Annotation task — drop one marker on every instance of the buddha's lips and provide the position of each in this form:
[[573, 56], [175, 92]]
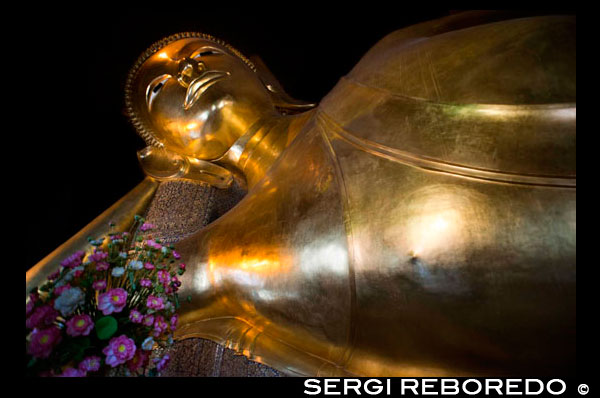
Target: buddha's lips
[[199, 85]]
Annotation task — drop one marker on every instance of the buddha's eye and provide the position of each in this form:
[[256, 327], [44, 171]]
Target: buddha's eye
[[154, 88]]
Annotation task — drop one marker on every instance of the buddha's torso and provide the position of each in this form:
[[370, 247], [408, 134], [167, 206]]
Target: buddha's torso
[[421, 222]]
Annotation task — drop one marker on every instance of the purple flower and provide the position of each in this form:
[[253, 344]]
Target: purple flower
[[72, 372], [148, 320], [41, 316], [90, 364], [149, 266], [80, 325], [159, 325], [112, 301], [173, 321], [98, 255], [28, 307], [73, 260], [147, 226], [176, 255], [43, 341], [163, 276], [102, 266], [119, 350], [154, 302], [146, 282], [99, 285], [135, 316], [162, 363]]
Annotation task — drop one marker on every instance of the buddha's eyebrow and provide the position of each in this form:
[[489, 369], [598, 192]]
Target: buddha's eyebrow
[[207, 50]]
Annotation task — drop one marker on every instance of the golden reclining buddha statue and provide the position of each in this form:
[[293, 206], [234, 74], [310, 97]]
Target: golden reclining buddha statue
[[419, 221]]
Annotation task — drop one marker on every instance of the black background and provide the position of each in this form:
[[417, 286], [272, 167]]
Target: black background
[[72, 64]]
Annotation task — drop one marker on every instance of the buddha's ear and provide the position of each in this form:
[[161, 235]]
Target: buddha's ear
[[283, 102]]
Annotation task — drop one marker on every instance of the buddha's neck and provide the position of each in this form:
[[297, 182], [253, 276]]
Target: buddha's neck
[[256, 151]]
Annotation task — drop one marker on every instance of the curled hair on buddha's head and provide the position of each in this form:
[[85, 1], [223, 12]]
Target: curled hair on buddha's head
[[145, 131]]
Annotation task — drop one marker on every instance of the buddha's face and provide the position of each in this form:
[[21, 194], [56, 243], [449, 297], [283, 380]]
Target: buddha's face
[[197, 97]]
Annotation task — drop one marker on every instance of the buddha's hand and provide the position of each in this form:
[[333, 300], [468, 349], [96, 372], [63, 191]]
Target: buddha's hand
[[162, 164]]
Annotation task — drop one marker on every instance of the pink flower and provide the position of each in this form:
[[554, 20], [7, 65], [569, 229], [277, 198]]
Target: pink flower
[[135, 316], [182, 266], [99, 285], [173, 321], [90, 364], [43, 341], [153, 244], [147, 226], [119, 350], [162, 363], [73, 260], [102, 266], [72, 372], [140, 359], [149, 266], [98, 255], [58, 290], [176, 255], [41, 316], [146, 282], [112, 301], [80, 325], [148, 320], [159, 325], [163, 276], [154, 302]]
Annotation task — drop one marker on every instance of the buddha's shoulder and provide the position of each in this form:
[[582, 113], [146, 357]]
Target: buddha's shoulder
[[468, 90], [476, 58]]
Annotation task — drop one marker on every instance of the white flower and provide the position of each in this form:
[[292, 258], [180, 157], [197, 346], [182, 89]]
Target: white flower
[[69, 300], [136, 265], [123, 255], [164, 250], [148, 344], [118, 271]]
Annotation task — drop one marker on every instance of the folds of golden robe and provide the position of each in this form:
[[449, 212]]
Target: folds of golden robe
[[421, 223]]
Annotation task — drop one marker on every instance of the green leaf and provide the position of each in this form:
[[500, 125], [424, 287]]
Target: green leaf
[[131, 280], [106, 327], [32, 362]]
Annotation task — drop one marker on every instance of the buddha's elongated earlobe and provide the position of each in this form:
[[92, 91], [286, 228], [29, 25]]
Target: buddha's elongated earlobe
[[283, 102]]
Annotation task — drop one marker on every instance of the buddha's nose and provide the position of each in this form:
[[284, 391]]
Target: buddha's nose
[[195, 76], [189, 70]]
